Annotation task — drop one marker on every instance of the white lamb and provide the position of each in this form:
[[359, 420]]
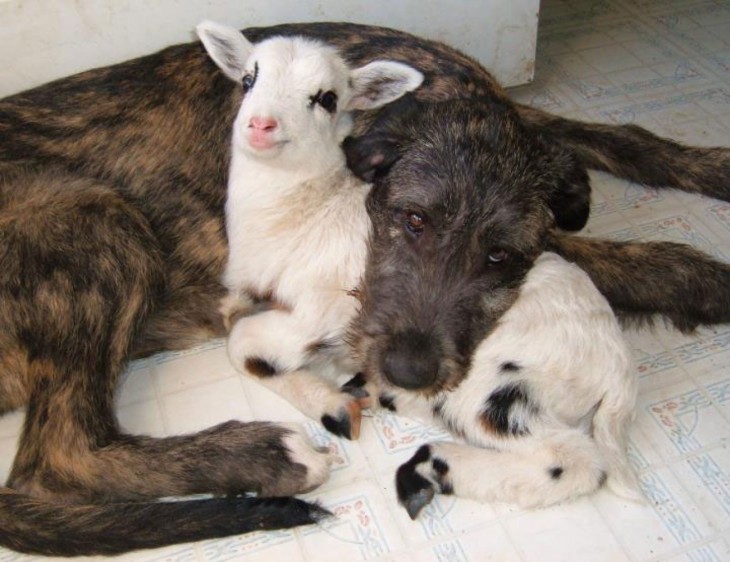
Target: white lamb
[[295, 216]]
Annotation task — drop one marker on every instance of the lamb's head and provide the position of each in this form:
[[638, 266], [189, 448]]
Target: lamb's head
[[298, 93]]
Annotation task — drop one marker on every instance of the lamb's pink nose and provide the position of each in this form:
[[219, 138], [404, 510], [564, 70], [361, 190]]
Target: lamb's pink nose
[[261, 132], [263, 123]]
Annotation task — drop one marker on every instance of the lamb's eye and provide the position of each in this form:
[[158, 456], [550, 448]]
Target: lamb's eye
[[250, 79], [414, 222], [326, 100], [497, 255]]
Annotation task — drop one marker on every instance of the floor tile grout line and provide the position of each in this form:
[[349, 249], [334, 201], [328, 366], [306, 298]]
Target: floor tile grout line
[[617, 536], [159, 397], [691, 375], [650, 21], [719, 535]]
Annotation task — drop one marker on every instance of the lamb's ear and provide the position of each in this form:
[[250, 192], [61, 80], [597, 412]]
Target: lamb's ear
[[381, 82], [226, 46], [371, 155]]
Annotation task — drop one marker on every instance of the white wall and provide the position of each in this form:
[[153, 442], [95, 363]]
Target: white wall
[[41, 40]]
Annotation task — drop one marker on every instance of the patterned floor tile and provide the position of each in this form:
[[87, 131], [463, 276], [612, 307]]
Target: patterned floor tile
[[707, 478], [669, 519], [362, 529], [489, 543], [681, 420]]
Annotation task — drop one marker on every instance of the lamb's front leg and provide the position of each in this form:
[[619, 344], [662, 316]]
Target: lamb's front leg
[[536, 472], [277, 348]]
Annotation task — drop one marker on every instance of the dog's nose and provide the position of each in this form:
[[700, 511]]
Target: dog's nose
[[411, 360]]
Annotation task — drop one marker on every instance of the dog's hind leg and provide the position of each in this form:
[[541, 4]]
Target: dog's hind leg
[[81, 272], [631, 152], [536, 472], [643, 279]]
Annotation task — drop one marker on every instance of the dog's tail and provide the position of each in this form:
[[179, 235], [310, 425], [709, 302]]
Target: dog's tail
[[35, 526], [643, 279], [633, 153]]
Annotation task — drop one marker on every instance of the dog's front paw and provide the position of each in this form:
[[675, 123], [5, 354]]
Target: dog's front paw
[[418, 480], [302, 452]]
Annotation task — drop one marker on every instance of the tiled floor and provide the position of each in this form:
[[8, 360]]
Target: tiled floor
[[661, 64]]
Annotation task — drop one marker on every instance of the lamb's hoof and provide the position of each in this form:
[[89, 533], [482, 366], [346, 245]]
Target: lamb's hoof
[[358, 388], [414, 490], [418, 501], [346, 423], [387, 401]]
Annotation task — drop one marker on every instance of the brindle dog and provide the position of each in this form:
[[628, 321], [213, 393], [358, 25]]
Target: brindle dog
[[466, 196], [111, 235]]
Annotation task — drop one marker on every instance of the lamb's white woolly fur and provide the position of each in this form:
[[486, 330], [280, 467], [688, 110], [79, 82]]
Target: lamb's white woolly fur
[[295, 216], [561, 346]]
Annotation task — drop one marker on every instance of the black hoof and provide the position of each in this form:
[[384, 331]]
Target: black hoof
[[340, 426], [356, 386], [387, 402], [417, 502], [414, 491]]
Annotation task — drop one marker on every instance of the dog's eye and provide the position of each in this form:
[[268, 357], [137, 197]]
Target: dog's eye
[[326, 100], [414, 222], [497, 255]]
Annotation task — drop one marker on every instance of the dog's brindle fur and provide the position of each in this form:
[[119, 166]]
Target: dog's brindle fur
[[112, 243], [485, 190]]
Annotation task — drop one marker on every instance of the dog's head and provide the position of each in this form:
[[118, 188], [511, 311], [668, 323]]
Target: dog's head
[[462, 200]]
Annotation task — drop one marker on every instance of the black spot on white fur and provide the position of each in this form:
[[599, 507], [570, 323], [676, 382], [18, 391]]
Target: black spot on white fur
[[602, 479], [497, 415], [440, 471], [509, 367], [260, 367], [437, 408], [556, 472]]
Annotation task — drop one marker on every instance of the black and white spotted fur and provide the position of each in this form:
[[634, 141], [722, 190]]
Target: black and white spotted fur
[[543, 413]]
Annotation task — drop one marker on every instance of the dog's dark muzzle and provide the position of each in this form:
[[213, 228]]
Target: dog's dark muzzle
[[411, 360]]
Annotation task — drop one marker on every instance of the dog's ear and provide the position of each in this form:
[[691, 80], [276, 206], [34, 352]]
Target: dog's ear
[[571, 200], [568, 187], [372, 155]]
